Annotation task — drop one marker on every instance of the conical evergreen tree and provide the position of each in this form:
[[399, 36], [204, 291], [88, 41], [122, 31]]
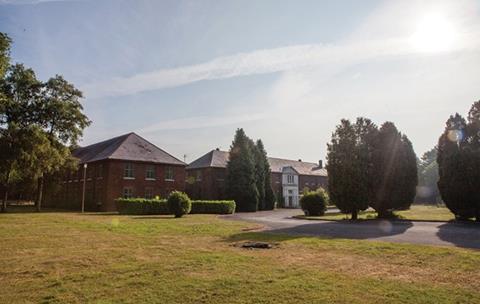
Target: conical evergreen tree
[[393, 162], [241, 182], [458, 164], [348, 165], [264, 186]]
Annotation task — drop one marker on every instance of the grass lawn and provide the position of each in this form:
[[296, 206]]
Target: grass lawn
[[415, 213], [95, 258]]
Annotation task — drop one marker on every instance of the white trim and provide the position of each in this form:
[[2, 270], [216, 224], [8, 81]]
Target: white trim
[[169, 180], [129, 178], [150, 179]]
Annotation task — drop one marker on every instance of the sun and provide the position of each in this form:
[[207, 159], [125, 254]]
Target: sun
[[435, 33]]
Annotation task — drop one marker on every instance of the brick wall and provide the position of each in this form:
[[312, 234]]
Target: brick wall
[[101, 189]]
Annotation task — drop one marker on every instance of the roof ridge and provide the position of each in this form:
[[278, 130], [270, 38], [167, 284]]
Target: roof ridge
[[126, 136], [157, 147]]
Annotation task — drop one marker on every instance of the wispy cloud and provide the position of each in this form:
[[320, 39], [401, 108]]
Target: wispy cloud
[[256, 62], [200, 122], [26, 2]]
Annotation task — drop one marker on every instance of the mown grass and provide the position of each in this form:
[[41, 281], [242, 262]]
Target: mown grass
[[94, 258], [415, 213]]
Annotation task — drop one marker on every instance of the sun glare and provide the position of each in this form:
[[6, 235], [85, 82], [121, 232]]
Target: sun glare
[[434, 33]]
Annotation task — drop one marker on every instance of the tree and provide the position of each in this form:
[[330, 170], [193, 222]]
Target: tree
[[349, 165], [5, 43], [263, 178], [458, 162], [241, 183], [38, 121], [428, 177], [408, 171], [60, 114], [473, 139], [258, 155], [394, 171]]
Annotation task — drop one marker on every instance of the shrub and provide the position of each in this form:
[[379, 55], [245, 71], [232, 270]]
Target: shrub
[[179, 203], [314, 202], [141, 206], [213, 207]]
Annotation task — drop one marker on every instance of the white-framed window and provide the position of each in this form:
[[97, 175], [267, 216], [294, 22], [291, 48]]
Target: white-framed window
[[169, 174], [148, 192], [127, 192], [150, 172], [290, 179], [199, 176], [128, 171]]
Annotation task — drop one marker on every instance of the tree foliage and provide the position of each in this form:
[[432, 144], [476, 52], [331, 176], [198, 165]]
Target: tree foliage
[[349, 154], [428, 177], [394, 171], [241, 174], [38, 122], [372, 167], [459, 162]]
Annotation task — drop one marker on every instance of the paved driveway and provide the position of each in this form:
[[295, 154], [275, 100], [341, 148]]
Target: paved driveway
[[430, 233]]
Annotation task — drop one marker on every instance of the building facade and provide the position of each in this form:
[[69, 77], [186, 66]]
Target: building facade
[[206, 178], [124, 166]]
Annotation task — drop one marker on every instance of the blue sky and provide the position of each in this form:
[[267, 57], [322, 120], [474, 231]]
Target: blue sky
[[186, 74]]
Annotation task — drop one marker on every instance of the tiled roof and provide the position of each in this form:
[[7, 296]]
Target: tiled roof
[[126, 147], [219, 159]]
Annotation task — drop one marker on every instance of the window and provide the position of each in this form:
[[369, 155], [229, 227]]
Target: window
[[150, 172], [169, 173], [128, 171], [199, 176], [127, 192], [290, 179], [99, 170], [148, 192]]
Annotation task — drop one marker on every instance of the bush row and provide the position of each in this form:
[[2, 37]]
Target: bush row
[[160, 206], [213, 207]]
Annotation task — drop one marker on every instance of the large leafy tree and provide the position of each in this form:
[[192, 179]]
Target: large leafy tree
[[241, 179], [348, 166], [38, 121]]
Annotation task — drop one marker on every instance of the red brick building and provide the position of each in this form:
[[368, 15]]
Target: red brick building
[[124, 166], [206, 177]]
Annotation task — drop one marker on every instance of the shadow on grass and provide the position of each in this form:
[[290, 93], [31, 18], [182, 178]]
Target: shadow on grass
[[461, 234], [344, 230], [33, 209]]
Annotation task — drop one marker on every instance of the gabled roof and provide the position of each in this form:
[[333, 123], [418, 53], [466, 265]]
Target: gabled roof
[[219, 159], [125, 147]]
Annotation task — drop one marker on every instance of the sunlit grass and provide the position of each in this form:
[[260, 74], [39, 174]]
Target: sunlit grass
[[74, 258], [415, 213]]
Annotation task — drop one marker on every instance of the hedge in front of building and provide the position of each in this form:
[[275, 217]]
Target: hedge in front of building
[[154, 206], [142, 206], [212, 207]]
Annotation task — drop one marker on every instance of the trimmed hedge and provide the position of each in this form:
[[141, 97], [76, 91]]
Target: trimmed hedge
[[153, 206], [213, 207], [142, 206]]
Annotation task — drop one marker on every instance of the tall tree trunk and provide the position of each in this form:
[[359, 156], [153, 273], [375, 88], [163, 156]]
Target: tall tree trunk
[[40, 194], [4, 202], [355, 214]]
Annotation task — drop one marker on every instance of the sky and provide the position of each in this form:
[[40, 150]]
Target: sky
[[186, 74]]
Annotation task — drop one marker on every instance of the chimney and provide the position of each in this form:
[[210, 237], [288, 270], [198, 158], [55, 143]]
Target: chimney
[[320, 164], [299, 160]]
